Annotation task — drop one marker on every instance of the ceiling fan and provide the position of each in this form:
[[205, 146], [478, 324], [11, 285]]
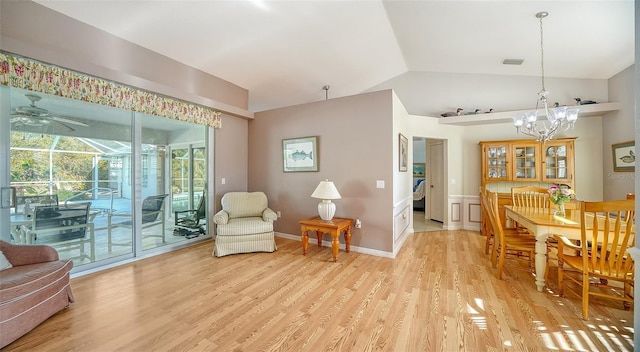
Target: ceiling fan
[[34, 116]]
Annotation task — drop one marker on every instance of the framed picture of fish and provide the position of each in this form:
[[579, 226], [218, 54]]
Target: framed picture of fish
[[300, 154], [403, 150], [624, 156]]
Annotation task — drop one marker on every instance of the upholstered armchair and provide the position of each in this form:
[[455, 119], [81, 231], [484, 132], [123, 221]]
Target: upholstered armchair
[[244, 225]]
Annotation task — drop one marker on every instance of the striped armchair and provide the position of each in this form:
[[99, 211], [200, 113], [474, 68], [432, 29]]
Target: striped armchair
[[244, 225]]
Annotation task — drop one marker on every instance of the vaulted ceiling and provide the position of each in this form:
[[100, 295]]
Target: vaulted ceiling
[[284, 52]]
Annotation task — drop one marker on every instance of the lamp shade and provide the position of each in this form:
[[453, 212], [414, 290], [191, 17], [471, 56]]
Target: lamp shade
[[326, 190]]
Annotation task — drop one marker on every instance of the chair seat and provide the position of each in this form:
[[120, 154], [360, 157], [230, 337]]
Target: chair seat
[[245, 226], [577, 263]]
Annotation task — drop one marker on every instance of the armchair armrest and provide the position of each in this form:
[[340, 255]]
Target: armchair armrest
[[563, 241], [221, 217], [269, 215], [28, 254]]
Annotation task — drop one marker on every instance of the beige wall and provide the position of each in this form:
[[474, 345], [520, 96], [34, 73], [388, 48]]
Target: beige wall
[[619, 127], [354, 151], [231, 157]]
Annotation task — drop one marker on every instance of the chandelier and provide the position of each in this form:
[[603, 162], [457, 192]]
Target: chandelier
[[560, 118]]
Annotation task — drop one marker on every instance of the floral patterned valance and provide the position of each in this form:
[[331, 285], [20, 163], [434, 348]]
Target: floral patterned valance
[[27, 74]]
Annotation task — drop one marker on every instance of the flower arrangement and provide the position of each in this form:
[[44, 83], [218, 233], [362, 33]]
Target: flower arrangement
[[560, 194]]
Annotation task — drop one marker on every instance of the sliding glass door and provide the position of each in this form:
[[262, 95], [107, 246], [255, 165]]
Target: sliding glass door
[[64, 153]]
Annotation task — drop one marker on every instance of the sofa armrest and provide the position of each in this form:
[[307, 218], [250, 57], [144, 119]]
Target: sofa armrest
[[221, 217], [28, 254], [269, 215]]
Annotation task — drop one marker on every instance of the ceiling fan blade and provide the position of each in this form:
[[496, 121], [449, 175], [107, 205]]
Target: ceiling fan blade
[[56, 123], [29, 120], [68, 121]]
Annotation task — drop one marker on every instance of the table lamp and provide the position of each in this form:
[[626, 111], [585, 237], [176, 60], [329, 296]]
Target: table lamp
[[326, 191]]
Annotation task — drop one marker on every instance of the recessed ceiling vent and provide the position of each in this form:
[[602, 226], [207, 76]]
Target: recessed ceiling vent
[[512, 61]]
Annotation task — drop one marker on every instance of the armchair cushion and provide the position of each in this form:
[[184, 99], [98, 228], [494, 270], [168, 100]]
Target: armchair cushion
[[4, 262], [245, 226], [244, 204]]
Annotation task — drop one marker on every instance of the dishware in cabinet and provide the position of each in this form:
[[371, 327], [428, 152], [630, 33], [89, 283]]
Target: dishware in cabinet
[[495, 165], [526, 162], [558, 156]]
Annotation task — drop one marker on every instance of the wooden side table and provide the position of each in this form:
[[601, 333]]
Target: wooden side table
[[335, 227]]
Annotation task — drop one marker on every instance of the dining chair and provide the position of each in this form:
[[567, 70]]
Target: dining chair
[[607, 233], [487, 229], [486, 225], [508, 242], [530, 196]]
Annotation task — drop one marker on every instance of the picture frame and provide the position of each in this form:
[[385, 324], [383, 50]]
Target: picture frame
[[624, 158], [418, 169], [300, 154], [403, 153]]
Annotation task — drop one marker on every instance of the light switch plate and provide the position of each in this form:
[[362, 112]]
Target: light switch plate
[[380, 184]]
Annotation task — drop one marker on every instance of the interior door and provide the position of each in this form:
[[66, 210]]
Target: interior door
[[436, 181]]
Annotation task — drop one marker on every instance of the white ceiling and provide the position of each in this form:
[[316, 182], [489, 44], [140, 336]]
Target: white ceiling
[[284, 52]]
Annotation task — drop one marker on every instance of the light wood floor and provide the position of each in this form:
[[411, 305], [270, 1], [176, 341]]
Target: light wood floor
[[439, 294]]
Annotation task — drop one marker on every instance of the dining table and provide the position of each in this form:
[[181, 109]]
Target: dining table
[[543, 222]]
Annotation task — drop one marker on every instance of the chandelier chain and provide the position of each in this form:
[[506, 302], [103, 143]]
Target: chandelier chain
[[542, 53], [559, 118]]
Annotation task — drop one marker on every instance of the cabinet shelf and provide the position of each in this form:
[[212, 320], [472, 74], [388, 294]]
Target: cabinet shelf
[[507, 116]]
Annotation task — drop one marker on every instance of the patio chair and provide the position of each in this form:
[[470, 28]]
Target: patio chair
[[64, 228], [189, 223], [152, 215], [41, 199]]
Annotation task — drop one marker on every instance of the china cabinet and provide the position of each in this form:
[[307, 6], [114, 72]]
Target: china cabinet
[[527, 160]]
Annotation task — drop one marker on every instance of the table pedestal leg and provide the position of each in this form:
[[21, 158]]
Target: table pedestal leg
[[541, 260], [305, 242], [335, 244]]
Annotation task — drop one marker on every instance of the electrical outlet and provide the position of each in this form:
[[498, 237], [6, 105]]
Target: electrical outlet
[[358, 224], [279, 214]]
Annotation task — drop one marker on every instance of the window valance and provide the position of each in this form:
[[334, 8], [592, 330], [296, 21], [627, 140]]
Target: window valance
[[32, 75]]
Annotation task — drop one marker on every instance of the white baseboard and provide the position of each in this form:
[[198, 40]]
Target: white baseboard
[[362, 250]]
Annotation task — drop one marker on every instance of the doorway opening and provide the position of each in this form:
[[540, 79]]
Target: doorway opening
[[429, 175]]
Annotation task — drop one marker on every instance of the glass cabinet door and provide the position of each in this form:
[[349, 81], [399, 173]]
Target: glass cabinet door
[[525, 162], [496, 158], [557, 163]]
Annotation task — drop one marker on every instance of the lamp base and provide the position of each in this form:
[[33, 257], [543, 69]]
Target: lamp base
[[326, 209]]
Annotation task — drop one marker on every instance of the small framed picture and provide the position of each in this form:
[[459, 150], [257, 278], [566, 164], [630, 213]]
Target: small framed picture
[[624, 156], [300, 154], [418, 169], [403, 150]]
